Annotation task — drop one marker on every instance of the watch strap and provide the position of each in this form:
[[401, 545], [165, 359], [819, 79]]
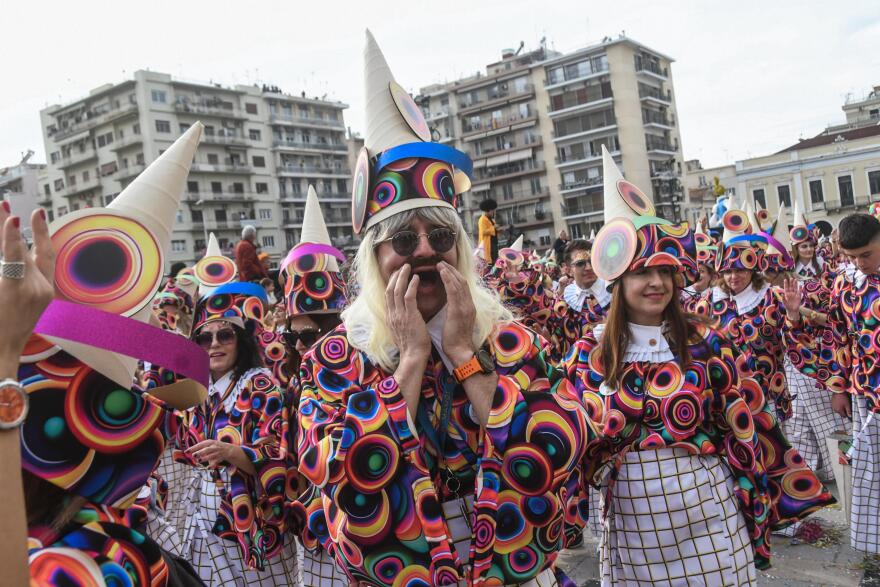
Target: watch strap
[[472, 367]]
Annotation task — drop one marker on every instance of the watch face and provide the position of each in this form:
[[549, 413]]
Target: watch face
[[486, 360], [13, 406]]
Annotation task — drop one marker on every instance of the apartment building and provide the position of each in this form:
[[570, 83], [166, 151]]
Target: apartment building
[[260, 150], [535, 122], [833, 174]]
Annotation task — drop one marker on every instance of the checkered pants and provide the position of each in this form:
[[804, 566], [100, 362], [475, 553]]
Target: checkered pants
[[865, 516], [319, 570], [674, 520], [813, 421], [217, 561], [167, 527]]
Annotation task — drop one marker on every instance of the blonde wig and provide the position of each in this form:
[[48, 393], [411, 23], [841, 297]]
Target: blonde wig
[[365, 319]]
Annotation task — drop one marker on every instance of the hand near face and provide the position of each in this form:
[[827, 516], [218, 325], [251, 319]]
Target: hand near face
[[404, 319], [461, 314], [791, 292]]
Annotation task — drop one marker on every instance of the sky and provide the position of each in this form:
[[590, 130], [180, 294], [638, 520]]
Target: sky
[[750, 77]]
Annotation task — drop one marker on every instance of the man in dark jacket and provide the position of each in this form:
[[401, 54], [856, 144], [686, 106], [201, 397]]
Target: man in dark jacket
[[249, 266]]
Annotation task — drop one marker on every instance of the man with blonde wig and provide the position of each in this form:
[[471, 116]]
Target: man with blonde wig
[[444, 447]]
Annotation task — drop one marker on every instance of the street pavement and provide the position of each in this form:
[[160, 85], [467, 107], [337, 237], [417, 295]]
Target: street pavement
[[795, 564]]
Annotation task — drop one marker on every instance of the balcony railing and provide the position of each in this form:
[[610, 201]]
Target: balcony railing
[[494, 97], [308, 169], [509, 170], [506, 147], [656, 94], [573, 105], [93, 119], [76, 158], [643, 65], [650, 117], [211, 108], [495, 123], [81, 187], [130, 171], [661, 146], [221, 196], [309, 146], [126, 142], [296, 119], [582, 183], [221, 168], [216, 139]]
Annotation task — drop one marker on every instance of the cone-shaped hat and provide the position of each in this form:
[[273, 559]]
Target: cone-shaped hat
[[780, 235], [615, 206], [314, 229], [518, 244]]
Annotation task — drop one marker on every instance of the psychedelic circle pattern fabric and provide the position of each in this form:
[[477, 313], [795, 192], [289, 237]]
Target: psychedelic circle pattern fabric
[[87, 435], [376, 508], [409, 179], [252, 508], [705, 408], [313, 292], [97, 547]]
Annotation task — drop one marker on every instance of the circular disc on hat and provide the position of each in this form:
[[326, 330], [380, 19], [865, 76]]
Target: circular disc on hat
[[410, 111], [359, 189], [106, 260], [614, 249], [702, 240], [215, 270], [799, 233], [635, 198], [735, 220]]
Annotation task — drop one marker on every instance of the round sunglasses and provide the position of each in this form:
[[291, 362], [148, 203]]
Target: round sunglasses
[[308, 337], [206, 339], [406, 242]]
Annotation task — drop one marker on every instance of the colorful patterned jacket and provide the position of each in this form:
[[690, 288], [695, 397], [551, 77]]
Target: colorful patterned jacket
[[250, 413], [761, 332], [378, 478], [848, 360], [706, 408], [97, 547]]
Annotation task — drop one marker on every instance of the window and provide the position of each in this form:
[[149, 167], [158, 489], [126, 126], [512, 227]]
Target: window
[[50, 215], [54, 157], [238, 188], [197, 216], [178, 218], [71, 180], [136, 129], [62, 211], [158, 96], [184, 126], [224, 242], [845, 189], [268, 241], [259, 161], [47, 189], [120, 134], [163, 126], [250, 108], [507, 191], [262, 188], [105, 139], [85, 176], [784, 194], [254, 134], [816, 195], [265, 214], [874, 182], [192, 187], [220, 216], [178, 246], [536, 185], [760, 198], [216, 187], [139, 159], [213, 159], [341, 186], [209, 130]]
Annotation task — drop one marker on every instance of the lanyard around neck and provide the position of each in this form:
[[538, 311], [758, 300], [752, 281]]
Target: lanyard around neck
[[438, 437]]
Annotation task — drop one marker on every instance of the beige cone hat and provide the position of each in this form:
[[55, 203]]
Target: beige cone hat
[[517, 244], [151, 199], [780, 233], [314, 229], [385, 127], [593, 234], [213, 248], [799, 218], [728, 233], [615, 207]]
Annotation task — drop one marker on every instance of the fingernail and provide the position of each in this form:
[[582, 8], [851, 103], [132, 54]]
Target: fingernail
[[43, 213], [6, 206], [16, 221]]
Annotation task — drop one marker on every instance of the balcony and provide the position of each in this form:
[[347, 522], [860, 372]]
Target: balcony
[[658, 119], [228, 196], [120, 144], [651, 69], [94, 119], [229, 167], [554, 84], [509, 171], [496, 126], [578, 184], [584, 133], [851, 202], [310, 147], [296, 120], [209, 108], [661, 170], [76, 158], [656, 95], [130, 171], [572, 210], [225, 140], [304, 170], [496, 98], [507, 148], [660, 147], [73, 190], [439, 114]]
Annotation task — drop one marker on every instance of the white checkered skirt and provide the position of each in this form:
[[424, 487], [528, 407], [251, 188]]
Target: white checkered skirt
[[674, 520], [864, 527]]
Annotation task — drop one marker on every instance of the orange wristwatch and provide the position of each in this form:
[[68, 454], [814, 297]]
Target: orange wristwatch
[[481, 362]]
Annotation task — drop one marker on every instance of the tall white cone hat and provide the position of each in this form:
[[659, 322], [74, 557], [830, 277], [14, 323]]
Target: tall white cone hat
[[517, 244], [151, 200], [780, 233], [385, 127], [729, 233], [213, 249], [615, 206], [593, 235], [314, 229], [799, 218]]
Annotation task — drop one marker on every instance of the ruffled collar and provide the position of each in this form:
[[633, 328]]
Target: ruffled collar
[[575, 297], [746, 300], [647, 344]]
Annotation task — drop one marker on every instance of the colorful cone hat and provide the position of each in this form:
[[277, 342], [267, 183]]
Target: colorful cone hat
[[214, 269], [706, 249], [739, 247], [777, 256], [513, 254], [399, 169], [634, 237], [88, 432], [314, 284], [800, 231], [179, 291]]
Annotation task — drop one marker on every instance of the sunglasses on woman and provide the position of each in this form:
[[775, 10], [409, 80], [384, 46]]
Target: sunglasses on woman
[[206, 339], [308, 337], [406, 242]]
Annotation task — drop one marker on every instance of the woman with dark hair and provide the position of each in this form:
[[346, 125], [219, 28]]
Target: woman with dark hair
[[689, 463], [237, 441], [487, 236]]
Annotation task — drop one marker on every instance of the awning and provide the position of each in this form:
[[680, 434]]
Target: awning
[[484, 187], [74, 138], [509, 157]]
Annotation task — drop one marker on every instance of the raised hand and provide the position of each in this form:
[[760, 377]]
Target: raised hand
[[404, 319], [791, 295], [458, 330]]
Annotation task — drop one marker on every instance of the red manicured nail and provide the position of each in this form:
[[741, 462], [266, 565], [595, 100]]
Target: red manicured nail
[[6, 206], [16, 221], [43, 213]]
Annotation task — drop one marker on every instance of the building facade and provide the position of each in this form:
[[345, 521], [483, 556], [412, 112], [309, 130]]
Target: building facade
[[260, 150], [20, 187], [833, 174], [535, 123]]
